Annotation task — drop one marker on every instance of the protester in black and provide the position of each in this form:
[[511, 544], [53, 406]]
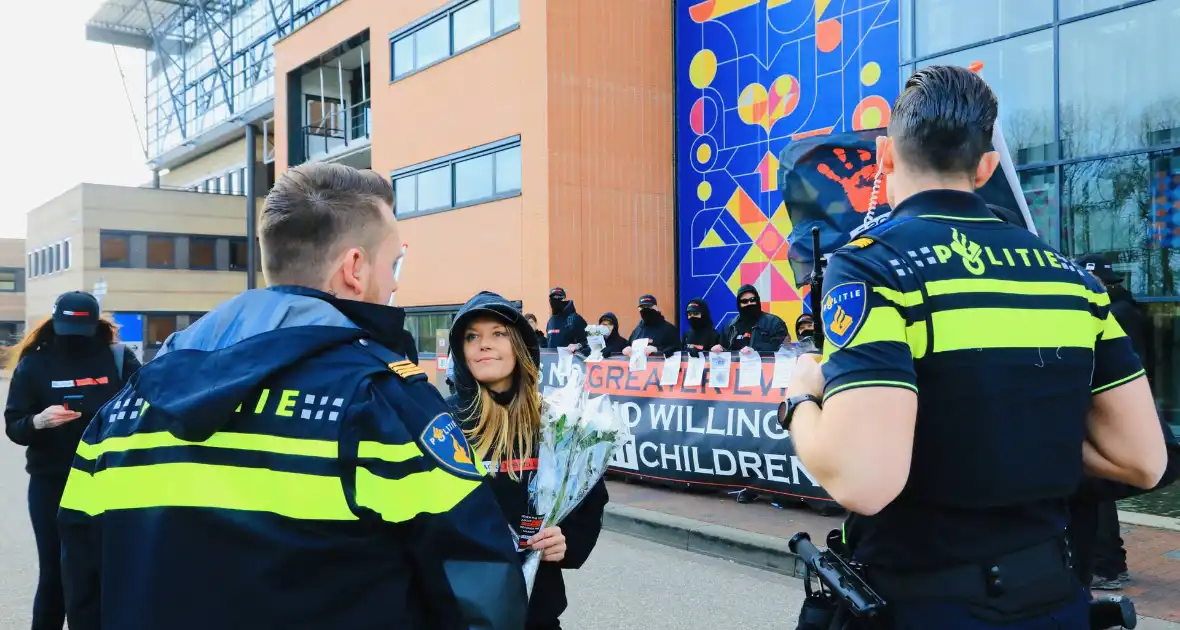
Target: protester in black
[[532, 320], [702, 333], [1107, 555], [805, 328], [662, 335], [498, 404], [615, 343], [751, 327], [566, 328], [66, 369]]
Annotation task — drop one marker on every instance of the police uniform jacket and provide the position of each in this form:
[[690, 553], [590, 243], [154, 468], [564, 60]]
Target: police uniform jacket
[[276, 466], [1005, 341]]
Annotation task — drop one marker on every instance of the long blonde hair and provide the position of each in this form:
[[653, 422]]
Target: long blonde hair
[[507, 433]]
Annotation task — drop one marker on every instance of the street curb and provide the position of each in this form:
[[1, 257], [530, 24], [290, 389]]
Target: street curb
[[728, 543], [1149, 520]]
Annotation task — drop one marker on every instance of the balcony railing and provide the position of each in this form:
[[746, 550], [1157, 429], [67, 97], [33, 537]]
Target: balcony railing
[[335, 133]]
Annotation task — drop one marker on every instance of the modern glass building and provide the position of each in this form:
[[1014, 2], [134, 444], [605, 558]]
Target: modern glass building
[[1090, 108]]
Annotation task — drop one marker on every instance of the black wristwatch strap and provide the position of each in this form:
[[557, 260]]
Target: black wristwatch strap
[[786, 409]]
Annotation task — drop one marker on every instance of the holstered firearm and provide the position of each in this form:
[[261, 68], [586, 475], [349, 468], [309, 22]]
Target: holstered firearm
[[840, 583]]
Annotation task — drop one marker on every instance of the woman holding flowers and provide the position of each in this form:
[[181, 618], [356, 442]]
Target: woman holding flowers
[[496, 361]]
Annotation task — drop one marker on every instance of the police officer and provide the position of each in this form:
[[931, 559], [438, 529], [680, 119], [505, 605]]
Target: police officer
[[970, 374], [280, 465]]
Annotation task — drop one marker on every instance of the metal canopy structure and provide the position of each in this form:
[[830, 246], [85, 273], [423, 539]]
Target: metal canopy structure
[[210, 63]]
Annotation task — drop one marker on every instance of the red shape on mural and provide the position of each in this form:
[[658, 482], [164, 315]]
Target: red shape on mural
[[696, 117]]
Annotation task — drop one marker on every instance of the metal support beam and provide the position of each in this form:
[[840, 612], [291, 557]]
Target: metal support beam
[[155, 178], [222, 72], [178, 109], [251, 206]]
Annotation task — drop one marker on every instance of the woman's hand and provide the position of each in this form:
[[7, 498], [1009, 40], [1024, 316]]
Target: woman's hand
[[551, 543], [54, 416], [717, 348]]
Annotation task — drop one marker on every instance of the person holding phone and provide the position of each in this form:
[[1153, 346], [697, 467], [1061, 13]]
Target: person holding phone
[[64, 370]]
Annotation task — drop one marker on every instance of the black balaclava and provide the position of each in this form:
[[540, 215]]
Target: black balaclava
[[803, 320], [76, 345], [557, 300], [647, 310], [750, 313], [705, 321]]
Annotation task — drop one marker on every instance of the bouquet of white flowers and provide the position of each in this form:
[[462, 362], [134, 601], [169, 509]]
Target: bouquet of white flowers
[[579, 435], [596, 337]]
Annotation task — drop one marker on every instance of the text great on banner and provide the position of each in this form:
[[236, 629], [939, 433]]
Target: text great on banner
[[699, 435]]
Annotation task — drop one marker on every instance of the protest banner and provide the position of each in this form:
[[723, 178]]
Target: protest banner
[[698, 435]]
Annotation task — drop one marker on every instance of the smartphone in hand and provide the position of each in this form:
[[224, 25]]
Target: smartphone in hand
[[72, 402]]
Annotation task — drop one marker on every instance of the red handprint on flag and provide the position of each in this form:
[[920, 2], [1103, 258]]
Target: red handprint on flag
[[855, 177]]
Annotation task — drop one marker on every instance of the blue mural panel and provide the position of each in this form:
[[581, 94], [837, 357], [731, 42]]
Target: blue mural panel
[[751, 76]]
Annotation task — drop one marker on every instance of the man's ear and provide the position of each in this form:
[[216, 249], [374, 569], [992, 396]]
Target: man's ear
[[885, 157], [987, 166], [350, 271]]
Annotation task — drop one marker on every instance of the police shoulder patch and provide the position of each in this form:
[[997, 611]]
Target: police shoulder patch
[[443, 440], [845, 309]]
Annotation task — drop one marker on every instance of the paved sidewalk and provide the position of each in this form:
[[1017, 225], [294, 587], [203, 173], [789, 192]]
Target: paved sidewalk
[[756, 534]]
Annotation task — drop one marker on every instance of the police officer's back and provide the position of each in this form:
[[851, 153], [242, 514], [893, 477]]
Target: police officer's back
[[279, 466], [968, 366]]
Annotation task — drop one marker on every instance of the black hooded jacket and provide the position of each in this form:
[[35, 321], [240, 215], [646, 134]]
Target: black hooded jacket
[[582, 526], [615, 343], [701, 334], [661, 333], [1133, 321], [566, 326], [764, 332]]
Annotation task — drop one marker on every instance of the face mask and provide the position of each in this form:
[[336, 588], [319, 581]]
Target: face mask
[[697, 322], [750, 311], [649, 315], [610, 330], [556, 305]]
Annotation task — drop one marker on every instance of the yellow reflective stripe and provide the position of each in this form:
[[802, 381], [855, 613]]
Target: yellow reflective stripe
[[1015, 287], [973, 328], [1110, 328], [884, 323], [947, 217], [240, 441], [913, 298], [388, 452], [902, 384], [1121, 381], [397, 500], [293, 495]]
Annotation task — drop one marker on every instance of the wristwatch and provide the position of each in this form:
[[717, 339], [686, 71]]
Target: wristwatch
[[786, 409]]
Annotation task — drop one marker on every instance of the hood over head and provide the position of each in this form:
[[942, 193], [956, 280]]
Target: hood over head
[[609, 316], [699, 305], [487, 303], [204, 372], [751, 312], [805, 318]]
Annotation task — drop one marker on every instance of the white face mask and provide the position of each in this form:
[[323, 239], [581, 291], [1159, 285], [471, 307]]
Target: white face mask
[[609, 329]]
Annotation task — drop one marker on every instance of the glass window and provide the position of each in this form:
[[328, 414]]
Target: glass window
[[1074, 8], [508, 170], [1040, 193], [403, 55], [65, 254], [57, 256], [472, 24], [424, 327], [1163, 358], [158, 328], [31, 266], [161, 251], [1020, 71], [238, 254], [945, 24], [8, 280], [114, 250], [404, 199], [432, 43], [1109, 104], [506, 14], [202, 253], [1126, 207], [905, 12], [473, 179], [434, 189]]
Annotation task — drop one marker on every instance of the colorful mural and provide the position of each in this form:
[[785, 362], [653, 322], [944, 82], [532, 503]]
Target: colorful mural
[[752, 75]]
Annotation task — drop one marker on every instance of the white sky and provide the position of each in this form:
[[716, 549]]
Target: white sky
[[65, 115]]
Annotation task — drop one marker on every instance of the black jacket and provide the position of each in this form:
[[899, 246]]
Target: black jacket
[[581, 527], [566, 327], [701, 338], [660, 333], [43, 378], [615, 343], [766, 334], [1133, 321]]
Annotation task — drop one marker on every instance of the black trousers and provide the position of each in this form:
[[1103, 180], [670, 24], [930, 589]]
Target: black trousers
[[49, 607], [1110, 558]]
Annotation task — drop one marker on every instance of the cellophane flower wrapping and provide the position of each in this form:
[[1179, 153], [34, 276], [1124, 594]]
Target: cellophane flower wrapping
[[579, 435], [596, 339]]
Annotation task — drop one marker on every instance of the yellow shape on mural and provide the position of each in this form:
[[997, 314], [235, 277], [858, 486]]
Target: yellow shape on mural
[[870, 73], [704, 152], [702, 68], [770, 4], [788, 311], [704, 191], [781, 220], [820, 7], [754, 105], [712, 239]]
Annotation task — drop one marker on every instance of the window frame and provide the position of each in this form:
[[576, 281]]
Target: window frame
[[17, 276], [450, 161], [446, 12], [114, 234], [212, 241], [148, 247]]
